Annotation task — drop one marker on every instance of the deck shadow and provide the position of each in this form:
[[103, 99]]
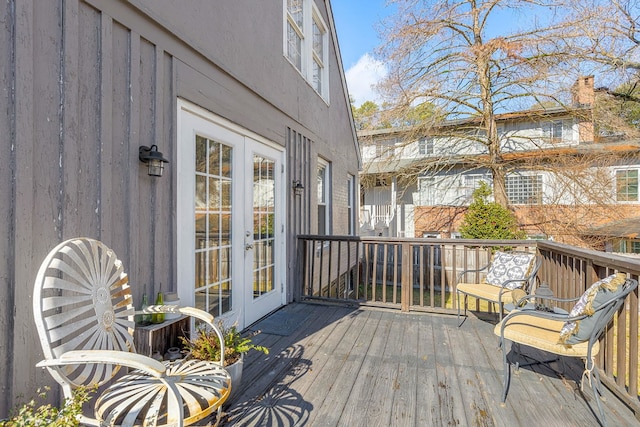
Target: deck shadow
[[278, 405]]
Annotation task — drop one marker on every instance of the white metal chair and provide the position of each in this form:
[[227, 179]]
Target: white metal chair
[[84, 315]]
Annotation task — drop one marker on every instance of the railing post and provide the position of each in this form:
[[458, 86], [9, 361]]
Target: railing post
[[406, 276]]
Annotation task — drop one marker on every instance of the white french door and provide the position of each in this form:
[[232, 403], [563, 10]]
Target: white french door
[[264, 233], [230, 206]]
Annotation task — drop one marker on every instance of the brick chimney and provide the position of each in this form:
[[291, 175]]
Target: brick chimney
[[584, 96], [582, 92]]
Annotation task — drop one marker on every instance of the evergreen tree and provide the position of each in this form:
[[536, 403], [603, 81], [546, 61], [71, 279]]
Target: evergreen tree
[[489, 220]]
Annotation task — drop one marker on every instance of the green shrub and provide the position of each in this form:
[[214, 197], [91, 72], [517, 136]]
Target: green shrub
[[489, 220], [32, 414]]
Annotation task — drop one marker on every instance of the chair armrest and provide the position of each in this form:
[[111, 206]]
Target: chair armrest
[[472, 270], [533, 297], [176, 309], [113, 357]]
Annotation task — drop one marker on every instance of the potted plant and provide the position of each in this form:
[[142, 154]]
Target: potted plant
[[205, 346]]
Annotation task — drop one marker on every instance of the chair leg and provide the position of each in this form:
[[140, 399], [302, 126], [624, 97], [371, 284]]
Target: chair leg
[[593, 376], [465, 308], [507, 371], [218, 416]]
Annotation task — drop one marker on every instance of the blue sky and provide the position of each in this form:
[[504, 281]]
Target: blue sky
[[355, 23]]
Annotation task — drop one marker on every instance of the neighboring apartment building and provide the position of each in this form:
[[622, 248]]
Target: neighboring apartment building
[[246, 100], [420, 185]]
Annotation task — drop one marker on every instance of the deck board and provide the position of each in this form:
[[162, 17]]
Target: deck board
[[350, 366]]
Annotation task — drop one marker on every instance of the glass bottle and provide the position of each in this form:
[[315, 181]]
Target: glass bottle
[[145, 318], [159, 317]]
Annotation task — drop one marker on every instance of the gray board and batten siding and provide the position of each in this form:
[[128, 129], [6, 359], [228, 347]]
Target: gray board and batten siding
[[86, 83]]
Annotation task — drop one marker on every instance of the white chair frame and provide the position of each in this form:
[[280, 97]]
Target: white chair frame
[[84, 316]]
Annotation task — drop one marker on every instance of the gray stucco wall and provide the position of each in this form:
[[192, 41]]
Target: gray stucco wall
[[85, 84]]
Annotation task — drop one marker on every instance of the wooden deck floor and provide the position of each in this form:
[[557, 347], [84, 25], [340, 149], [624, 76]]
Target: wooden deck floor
[[341, 366]]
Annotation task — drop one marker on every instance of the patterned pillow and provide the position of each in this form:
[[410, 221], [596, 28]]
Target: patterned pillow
[[509, 266], [597, 294]]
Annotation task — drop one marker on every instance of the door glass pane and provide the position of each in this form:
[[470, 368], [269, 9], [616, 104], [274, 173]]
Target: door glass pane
[[264, 187], [213, 281]]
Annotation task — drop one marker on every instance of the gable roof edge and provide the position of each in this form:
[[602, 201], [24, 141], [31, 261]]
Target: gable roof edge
[[343, 80]]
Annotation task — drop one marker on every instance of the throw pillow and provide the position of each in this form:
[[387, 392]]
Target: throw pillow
[[510, 266], [598, 293]]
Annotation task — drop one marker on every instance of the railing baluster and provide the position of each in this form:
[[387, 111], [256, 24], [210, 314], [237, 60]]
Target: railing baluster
[[385, 265], [406, 277]]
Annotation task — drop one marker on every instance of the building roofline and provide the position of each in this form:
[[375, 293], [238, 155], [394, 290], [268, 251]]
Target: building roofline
[[503, 117], [336, 46]]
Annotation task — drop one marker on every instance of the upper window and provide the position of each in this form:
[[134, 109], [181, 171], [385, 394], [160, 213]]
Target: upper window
[[384, 150], [425, 146], [295, 32], [553, 131], [524, 189], [627, 185], [306, 43]]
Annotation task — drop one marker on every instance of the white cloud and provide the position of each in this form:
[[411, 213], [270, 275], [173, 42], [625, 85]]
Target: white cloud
[[362, 78]]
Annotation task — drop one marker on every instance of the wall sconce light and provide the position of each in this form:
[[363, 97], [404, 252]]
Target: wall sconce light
[[153, 158], [298, 188]]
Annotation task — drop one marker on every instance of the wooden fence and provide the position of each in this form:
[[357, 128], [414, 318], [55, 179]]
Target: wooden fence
[[372, 271]]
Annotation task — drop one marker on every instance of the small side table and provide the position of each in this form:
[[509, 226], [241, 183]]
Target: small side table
[[158, 337]]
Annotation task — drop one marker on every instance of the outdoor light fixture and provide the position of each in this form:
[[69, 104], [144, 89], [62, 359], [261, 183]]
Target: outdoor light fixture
[[153, 158], [298, 188]]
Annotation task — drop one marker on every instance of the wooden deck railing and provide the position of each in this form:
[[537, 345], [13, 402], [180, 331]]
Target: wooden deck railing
[[372, 271]]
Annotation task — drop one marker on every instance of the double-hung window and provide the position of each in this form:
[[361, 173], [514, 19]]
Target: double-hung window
[[351, 202], [427, 191], [295, 32], [471, 183], [324, 199], [553, 131], [425, 146], [306, 43], [627, 185]]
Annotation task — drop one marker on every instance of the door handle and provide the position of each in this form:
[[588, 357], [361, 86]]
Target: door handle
[[247, 236]]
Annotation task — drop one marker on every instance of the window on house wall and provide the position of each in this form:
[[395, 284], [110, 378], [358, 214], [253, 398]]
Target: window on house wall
[[627, 185], [324, 200], [385, 149], [306, 43], [295, 32], [427, 191], [425, 146], [471, 182], [319, 37], [553, 130], [524, 189], [351, 201], [508, 136]]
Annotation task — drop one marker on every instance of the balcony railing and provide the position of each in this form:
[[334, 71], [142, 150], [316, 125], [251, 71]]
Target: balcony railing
[[373, 271]]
